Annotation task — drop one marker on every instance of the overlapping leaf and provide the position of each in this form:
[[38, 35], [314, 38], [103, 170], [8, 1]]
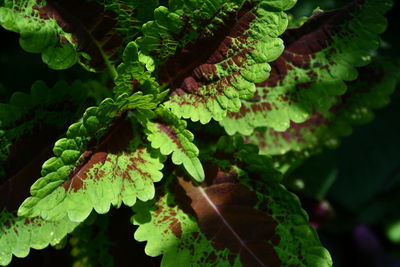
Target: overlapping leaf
[[98, 163], [18, 235], [91, 32], [169, 134], [210, 53], [134, 73], [318, 57], [372, 90], [238, 217], [29, 124]]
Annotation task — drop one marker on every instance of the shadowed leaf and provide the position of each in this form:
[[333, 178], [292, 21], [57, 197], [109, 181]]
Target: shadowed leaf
[[90, 244], [372, 90], [67, 31], [29, 123]]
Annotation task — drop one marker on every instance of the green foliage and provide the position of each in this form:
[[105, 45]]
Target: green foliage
[[132, 73], [101, 170], [44, 106], [319, 56], [18, 235], [375, 84], [211, 231], [239, 59], [169, 134], [65, 32], [39, 32], [232, 67]]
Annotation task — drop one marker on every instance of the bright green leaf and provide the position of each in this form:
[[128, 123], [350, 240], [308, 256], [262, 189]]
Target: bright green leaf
[[319, 57]]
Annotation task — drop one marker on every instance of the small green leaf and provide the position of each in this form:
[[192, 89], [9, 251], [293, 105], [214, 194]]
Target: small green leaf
[[169, 134], [132, 74], [393, 231]]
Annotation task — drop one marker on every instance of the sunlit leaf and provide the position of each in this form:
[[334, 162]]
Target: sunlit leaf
[[99, 163], [318, 58], [238, 217], [210, 53]]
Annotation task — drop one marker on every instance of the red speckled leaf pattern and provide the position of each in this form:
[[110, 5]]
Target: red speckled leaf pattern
[[372, 90], [237, 217], [111, 172], [218, 64], [318, 57]]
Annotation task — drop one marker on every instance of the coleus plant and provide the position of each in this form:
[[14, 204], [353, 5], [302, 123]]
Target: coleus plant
[[266, 97]]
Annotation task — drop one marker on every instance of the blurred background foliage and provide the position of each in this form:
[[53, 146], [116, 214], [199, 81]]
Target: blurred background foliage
[[352, 193]]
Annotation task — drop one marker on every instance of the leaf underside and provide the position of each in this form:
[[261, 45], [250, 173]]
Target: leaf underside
[[319, 57]]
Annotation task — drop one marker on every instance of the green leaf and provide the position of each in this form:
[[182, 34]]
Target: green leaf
[[98, 163], [29, 123], [68, 31], [211, 231], [18, 234], [210, 54], [168, 133], [318, 58], [187, 22], [134, 73], [371, 91]]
